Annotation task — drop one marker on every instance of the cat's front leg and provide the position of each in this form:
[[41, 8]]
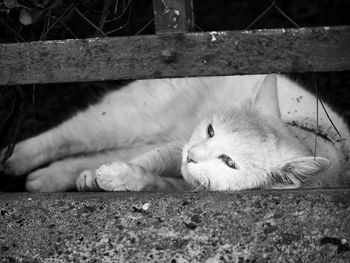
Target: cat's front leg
[[154, 170], [119, 176]]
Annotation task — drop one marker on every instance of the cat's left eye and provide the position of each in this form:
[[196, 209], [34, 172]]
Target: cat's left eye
[[228, 161], [210, 131]]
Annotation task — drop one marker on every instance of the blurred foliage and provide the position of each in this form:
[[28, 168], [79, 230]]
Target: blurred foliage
[[32, 20]]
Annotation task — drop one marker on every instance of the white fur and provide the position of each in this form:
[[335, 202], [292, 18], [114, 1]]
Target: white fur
[[135, 124], [261, 144]]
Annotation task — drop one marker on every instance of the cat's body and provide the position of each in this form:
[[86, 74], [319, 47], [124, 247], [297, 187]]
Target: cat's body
[[137, 126]]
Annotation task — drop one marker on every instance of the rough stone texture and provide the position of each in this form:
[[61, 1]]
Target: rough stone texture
[[252, 226]]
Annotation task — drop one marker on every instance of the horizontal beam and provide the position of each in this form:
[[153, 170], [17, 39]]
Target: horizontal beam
[[251, 226], [176, 55]]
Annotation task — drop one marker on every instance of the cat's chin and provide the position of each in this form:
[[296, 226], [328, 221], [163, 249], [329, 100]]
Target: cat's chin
[[186, 174], [192, 179]]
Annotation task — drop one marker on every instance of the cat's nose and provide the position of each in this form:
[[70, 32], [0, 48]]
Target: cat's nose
[[191, 157]]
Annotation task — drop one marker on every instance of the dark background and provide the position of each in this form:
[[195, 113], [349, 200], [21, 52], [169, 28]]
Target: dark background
[[47, 105]]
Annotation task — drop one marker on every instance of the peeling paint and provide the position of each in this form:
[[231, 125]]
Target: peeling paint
[[166, 8], [213, 35]]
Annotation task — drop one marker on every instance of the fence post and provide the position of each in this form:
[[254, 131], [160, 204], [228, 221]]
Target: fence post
[[173, 16]]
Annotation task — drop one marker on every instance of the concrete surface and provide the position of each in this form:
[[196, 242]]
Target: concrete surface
[[252, 226]]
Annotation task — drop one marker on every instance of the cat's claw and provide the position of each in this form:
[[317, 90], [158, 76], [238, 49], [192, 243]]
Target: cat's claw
[[86, 182]]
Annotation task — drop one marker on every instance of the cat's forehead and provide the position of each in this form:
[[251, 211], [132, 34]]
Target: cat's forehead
[[239, 120]]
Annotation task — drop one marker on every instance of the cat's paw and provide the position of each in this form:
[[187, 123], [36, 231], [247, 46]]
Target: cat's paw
[[86, 182], [119, 176], [54, 178]]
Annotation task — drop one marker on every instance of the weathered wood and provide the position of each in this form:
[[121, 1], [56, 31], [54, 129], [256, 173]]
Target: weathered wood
[[177, 55], [249, 226], [173, 16]]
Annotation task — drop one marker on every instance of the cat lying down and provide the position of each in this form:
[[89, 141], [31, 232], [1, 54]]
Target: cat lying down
[[213, 133]]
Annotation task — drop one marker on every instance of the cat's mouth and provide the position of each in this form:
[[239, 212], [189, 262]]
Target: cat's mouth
[[188, 164], [191, 177], [189, 160]]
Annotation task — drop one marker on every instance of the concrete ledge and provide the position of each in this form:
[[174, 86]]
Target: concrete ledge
[[252, 226]]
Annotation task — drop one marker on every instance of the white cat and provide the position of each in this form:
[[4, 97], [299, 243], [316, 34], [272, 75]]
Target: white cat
[[247, 132]]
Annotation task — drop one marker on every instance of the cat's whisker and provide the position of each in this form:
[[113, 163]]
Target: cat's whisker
[[178, 147], [197, 189], [174, 140], [202, 183], [175, 150], [205, 182]]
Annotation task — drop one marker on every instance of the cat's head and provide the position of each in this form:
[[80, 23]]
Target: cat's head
[[248, 147]]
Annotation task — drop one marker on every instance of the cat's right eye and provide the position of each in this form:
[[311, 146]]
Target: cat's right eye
[[228, 161], [210, 131]]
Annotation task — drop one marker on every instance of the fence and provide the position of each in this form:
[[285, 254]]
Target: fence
[[306, 225], [176, 52]]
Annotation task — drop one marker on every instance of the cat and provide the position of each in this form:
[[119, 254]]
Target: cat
[[213, 133]]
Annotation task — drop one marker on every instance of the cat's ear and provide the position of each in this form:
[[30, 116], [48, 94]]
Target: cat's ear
[[267, 97], [292, 173]]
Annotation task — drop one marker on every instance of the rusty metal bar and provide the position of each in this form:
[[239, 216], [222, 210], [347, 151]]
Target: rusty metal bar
[[177, 55]]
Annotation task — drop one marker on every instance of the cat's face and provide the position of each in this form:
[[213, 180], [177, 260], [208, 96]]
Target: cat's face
[[247, 147], [229, 151]]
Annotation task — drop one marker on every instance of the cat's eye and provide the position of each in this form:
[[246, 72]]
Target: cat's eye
[[210, 131], [228, 161]]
